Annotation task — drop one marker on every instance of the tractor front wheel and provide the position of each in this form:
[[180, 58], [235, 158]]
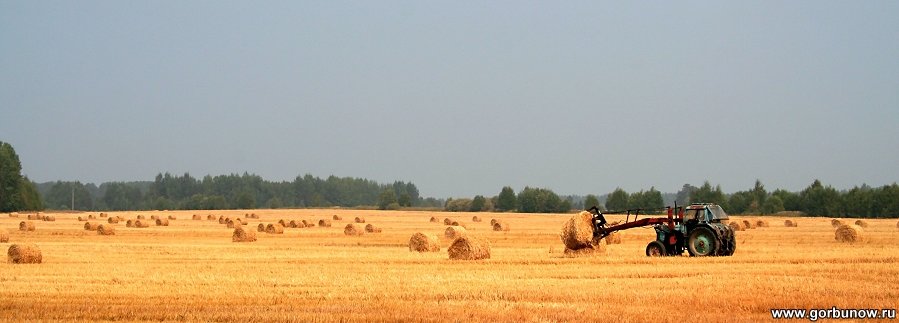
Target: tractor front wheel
[[655, 249], [702, 242]]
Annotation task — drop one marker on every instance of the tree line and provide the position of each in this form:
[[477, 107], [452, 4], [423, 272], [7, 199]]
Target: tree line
[[17, 192]]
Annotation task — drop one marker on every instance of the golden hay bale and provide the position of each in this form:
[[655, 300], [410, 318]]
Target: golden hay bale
[[172, 217], [26, 226], [469, 248], [310, 225], [359, 220], [81, 219], [4, 236], [613, 238], [447, 221], [140, 217], [243, 235], [453, 232], [293, 224], [34, 217], [459, 224], [421, 242], [284, 223], [577, 232], [154, 217], [274, 228], [162, 222], [197, 217], [14, 215], [49, 218], [142, 223], [492, 222], [324, 223], [370, 228], [106, 230], [761, 223], [305, 223], [91, 226], [130, 223], [91, 217], [748, 225], [222, 219], [500, 226], [260, 227], [835, 223], [790, 223], [861, 223], [253, 216], [210, 217], [234, 224], [24, 254], [848, 233], [475, 219], [434, 220], [103, 215], [337, 217], [736, 226], [353, 230]]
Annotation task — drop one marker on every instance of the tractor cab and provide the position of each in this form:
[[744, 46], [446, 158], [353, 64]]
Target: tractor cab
[[704, 213]]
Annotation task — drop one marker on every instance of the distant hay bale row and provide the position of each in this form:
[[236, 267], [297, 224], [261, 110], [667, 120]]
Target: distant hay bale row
[[469, 248], [91, 226], [736, 226], [197, 217], [453, 232], [324, 223], [106, 230], [48, 218], [139, 223], [251, 216], [359, 220], [790, 223], [475, 219], [849, 233], [370, 228], [420, 242], [4, 236], [274, 228], [296, 224], [24, 254], [861, 223], [500, 226], [162, 222], [26, 226], [114, 219], [34, 217], [243, 235], [353, 230], [337, 217]]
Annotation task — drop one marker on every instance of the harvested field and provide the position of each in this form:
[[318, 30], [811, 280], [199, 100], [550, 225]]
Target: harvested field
[[169, 273], [4, 236], [790, 223]]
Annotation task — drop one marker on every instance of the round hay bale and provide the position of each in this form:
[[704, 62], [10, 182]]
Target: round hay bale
[[172, 217], [26, 226], [81, 219], [253, 216], [274, 228], [459, 224], [4, 236], [91, 217], [447, 221], [210, 217], [453, 232], [232, 224], [861, 223], [91, 226], [162, 222], [49, 218], [613, 238], [103, 215], [848, 233], [359, 220], [324, 223], [577, 232], [305, 223], [140, 217], [24, 254], [154, 217], [492, 222], [370, 228], [130, 223], [748, 225], [293, 224], [14, 215], [260, 227], [353, 230], [337, 217], [790, 223], [736, 226], [475, 219], [112, 220], [835, 223], [197, 217], [142, 223], [106, 230], [243, 235], [34, 217], [284, 223], [761, 223], [223, 220], [420, 242], [310, 225], [469, 248], [500, 226]]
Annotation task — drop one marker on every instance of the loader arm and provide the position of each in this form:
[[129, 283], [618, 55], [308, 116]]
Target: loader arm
[[600, 230], [604, 232]]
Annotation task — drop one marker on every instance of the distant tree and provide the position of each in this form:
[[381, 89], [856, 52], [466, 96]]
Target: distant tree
[[245, 200], [617, 200], [274, 203], [541, 200], [739, 202], [16, 191], [478, 204], [820, 200], [706, 194], [60, 196], [458, 205], [591, 201], [388, 197], [683, 196], [506, 201], [758, 197], [119, 196], [773, 204], [791, 201]]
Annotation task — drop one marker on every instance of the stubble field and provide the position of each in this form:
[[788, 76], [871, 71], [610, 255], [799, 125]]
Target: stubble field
[[192, 271]]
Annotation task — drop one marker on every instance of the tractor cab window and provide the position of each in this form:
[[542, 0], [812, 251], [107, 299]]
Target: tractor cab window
[[717, 212], [696, 214]]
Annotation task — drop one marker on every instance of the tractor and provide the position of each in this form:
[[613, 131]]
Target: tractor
[[697, 228]]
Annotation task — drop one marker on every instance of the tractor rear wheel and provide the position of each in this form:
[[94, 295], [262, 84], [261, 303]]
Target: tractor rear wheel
[[655, 249], [702, 242]]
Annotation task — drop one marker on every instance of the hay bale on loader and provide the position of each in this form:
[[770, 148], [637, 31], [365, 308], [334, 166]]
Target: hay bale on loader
[[24, 254], [243, 235], [453, 232], [420, 242], [26, 226], [274, 228], [4, 236], [736, 226], [861, 223], [370, 228], [577, 236], [790, 224], [88, 226], [324, 223], [849, 233], [469, 248], [352, 229], [106, 230]]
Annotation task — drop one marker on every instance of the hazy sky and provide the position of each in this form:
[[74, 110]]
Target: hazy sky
[[459, 97]]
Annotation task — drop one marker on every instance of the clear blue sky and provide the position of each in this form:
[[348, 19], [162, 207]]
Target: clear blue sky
[[460, 98]]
